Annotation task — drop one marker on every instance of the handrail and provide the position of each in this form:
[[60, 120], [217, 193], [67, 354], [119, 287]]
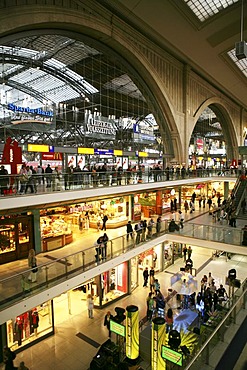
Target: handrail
[[13, 185], [165, 230], [216, 329]]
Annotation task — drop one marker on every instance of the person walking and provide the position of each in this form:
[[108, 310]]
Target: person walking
[[32, 264], [189, 252], [169, 320], [105, 219], [129, 230], [186, 206], [150, 228], [90, 306], [107, 319], [138, 230], [145, 277]]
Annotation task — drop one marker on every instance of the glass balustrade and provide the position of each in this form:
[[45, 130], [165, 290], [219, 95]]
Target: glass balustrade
[[14, 288], [15, 184]]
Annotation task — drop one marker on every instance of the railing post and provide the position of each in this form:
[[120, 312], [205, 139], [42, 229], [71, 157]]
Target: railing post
[[46, 275], [66, 267], [111, 249], [83, 261]]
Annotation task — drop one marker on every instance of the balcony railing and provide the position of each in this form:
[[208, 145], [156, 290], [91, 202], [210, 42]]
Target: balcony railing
[[13, 289], [42, 183]]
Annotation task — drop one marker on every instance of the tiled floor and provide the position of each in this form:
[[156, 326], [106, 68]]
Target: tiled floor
[[65, 350]]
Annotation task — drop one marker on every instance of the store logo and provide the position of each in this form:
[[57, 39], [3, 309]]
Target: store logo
[[38, 111]]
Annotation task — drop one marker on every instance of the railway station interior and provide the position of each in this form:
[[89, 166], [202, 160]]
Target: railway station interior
[[111, 113]]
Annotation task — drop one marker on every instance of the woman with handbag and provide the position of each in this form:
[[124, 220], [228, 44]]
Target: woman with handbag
[[32, 264]]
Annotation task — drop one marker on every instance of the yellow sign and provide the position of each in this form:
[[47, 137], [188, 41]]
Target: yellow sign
[[158, 338], [118, 152], [38, 148], [142, 154], [85, 150]]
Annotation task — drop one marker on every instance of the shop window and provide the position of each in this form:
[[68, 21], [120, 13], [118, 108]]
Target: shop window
[[24, 230], [29, 326], [7, 239]]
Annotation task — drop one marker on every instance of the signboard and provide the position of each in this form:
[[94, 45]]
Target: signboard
[[143, 132], [103, 151], [171, 355], [52, 156], [99, 126], [117, 328]]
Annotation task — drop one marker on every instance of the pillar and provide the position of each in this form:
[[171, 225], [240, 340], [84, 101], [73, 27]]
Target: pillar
[[159, 202], [36, 231], [158, 339], [132, 332]]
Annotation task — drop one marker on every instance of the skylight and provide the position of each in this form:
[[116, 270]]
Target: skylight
[[205, 9], [241, 64]]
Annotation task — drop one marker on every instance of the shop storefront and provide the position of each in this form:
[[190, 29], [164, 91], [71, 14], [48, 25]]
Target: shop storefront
[[16, 237], [29, 328]]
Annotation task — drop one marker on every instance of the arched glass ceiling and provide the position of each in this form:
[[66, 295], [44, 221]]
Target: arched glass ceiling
[[47, 79]]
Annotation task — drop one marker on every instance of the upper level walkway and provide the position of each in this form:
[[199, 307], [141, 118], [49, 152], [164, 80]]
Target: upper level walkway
[[39, 194], [66, 272]]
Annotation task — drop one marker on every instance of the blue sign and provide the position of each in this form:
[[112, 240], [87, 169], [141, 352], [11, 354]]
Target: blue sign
[[38, 111], [103, 151]]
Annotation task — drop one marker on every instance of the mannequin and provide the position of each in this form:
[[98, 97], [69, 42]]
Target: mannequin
[[35, 321], [18, 329]]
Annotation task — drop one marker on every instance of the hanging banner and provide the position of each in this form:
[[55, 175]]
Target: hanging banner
[[158, 339], [98, 126], [132, 332]]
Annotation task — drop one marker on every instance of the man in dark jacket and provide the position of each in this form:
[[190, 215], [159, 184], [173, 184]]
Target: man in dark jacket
[[107, 319], [145, 277], [173, 226]]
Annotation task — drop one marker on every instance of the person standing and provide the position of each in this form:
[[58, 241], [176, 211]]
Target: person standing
[[8, 358], [22, 366], [186, 206], [145, 277], [48, 174], [105, 219], [181, 219], [150, 227], [104, 247], [4, 180], [138, 230], [32, 264], [189, 252], [185, 252], [169, 320], [90, 306], [107, 319], [151, 274], [129, 230], [158, 225]]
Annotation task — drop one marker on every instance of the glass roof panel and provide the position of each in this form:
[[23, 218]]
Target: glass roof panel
[[124, 85], [241, 64], [205, 9]]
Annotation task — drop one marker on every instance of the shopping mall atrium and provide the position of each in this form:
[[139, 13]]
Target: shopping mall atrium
[[118, 118]]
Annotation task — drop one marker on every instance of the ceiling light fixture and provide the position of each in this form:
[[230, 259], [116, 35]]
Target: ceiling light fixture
[[241, 46]]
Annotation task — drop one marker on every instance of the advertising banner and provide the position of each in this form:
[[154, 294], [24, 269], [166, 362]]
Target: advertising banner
[[158, 338], [132, 332]]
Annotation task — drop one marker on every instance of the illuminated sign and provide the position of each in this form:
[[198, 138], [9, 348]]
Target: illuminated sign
[[118, 152], [173, 356], [38, 111], [142, 154], [117, 328], [103, 151], [85, 150], [52, 156], [132, 330], [38, 148]]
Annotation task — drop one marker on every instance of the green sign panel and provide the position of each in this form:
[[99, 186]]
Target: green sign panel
[[173, 356], [117, 328]]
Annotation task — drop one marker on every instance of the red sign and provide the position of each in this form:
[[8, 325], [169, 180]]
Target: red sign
[[52, 156], [12, 154]]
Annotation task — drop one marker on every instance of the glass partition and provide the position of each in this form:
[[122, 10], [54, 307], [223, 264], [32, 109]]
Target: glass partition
[[18, 286]]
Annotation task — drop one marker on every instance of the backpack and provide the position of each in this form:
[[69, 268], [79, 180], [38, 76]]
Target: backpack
[[136, 227]]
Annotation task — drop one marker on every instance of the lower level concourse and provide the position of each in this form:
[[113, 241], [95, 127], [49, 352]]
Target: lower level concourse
[[78, 338]]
